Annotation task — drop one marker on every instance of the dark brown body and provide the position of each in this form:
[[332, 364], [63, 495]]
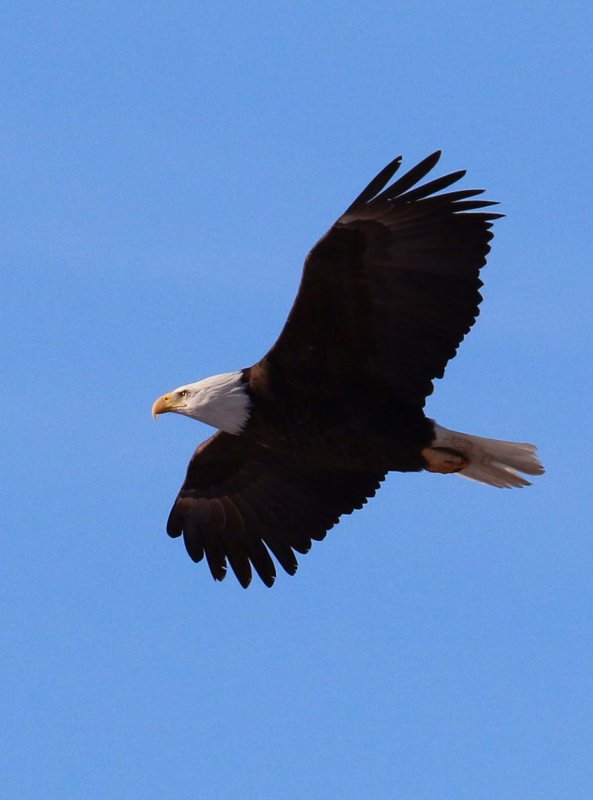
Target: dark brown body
[[359, 426]]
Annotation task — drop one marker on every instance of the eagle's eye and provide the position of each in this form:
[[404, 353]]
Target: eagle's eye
[[183, 393]]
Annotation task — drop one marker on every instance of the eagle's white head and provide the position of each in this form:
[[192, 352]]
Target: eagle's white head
[[221, 401]]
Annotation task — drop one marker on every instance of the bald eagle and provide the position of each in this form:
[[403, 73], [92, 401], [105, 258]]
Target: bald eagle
[[310, 431]]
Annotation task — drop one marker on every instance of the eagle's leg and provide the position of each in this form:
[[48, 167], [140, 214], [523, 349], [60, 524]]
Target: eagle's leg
[[444, 460]]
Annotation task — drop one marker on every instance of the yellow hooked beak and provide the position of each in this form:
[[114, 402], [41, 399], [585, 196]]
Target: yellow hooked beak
[[168, 402]]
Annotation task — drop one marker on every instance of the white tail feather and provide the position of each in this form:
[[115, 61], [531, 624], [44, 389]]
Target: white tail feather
[[491, 461]]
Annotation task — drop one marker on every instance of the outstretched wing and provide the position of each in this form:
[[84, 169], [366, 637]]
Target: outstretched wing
[[390, 291], [240, 502]]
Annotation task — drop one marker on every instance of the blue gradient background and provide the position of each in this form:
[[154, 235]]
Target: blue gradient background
[[165, 168]]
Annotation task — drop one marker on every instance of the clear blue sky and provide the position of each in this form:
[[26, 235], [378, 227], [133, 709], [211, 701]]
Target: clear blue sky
[[165, 168]]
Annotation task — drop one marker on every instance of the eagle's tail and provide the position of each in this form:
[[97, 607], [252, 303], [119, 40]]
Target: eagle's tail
[[491, 461]]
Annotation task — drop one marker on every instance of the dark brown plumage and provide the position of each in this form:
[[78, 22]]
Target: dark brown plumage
[[385, 299], [240, 500]]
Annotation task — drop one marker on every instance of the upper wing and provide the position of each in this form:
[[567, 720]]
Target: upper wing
[[392, 288], [240, 501]]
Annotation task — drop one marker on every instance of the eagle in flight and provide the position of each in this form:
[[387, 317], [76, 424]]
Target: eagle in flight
[[310, 431]]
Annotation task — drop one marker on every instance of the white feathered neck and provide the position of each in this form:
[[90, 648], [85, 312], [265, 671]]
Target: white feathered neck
[[221, 401]]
